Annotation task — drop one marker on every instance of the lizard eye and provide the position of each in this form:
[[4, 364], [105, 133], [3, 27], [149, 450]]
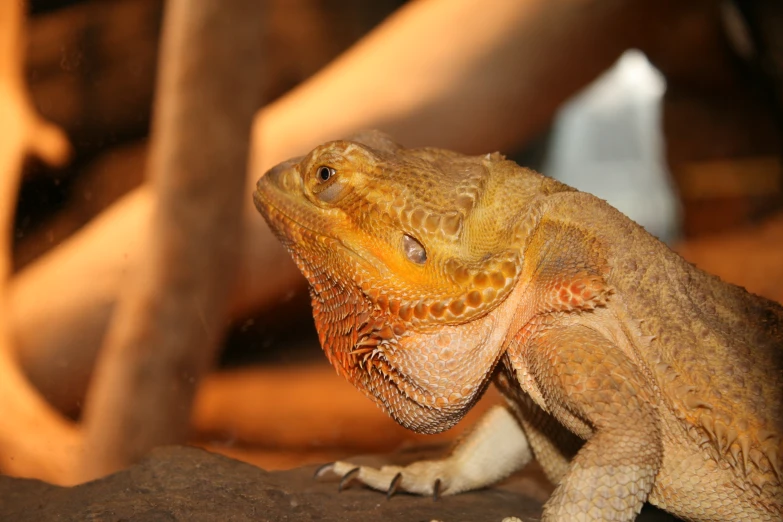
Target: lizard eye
[[414, 250], [327, 186], [324, 173]]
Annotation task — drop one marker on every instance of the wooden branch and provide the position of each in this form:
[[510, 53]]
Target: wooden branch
[[165, 330], [91, 66], [35, 440], [302, 408], [58, 337], [24, 130]]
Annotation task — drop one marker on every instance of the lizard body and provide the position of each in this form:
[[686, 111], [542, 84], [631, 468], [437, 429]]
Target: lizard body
[[633, 375]]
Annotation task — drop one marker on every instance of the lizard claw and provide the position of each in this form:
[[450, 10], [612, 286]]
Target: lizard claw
[[393, 486], [348, 477], [322, 470], [453, 473]]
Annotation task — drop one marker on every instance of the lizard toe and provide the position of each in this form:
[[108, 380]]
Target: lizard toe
[[436, 490], [394, 485], [347, 478], [323, 470]]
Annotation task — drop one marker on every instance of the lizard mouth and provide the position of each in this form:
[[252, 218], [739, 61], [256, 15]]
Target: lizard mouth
[[275, 204], [273, 198], [288, 230], [277, 217], [283, 223], [279, 210]]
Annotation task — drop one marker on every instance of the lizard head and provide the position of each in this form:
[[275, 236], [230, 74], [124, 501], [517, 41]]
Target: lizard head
[[407, 252]]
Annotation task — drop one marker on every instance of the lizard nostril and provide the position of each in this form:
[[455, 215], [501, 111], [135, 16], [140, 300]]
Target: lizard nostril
[[414, 250], [282, 175], [289, 180]]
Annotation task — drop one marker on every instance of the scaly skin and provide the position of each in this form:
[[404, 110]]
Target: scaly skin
[[433, 274]]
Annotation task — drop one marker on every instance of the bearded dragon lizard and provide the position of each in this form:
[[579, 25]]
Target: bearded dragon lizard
[[632, 375]]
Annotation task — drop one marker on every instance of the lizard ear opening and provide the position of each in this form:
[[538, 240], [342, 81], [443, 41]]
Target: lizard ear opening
[[414, 250]]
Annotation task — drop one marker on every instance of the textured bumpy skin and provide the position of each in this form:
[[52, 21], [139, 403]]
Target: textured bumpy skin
[[632, 375]]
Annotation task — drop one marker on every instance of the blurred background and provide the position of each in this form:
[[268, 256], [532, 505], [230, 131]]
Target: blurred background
[[671, 113]]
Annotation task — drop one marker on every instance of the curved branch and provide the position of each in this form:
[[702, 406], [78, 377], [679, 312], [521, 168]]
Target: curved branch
[[35, 440], [165, 330], [57, 338]]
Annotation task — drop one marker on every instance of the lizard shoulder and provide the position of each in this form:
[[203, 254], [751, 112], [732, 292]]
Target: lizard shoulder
[[566, 267]]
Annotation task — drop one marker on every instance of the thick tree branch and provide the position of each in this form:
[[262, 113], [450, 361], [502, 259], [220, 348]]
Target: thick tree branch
[[57, 338], [34, 439], [165, 330]]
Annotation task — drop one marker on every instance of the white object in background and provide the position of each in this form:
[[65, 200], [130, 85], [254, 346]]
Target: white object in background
[[607, 141]]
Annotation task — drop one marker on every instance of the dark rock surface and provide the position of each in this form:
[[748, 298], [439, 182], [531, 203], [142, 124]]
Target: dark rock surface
[[187, 484]]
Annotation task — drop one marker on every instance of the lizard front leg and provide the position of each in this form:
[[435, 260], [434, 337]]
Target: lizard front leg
[[553, 445], [596, 392], [493, 449]]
